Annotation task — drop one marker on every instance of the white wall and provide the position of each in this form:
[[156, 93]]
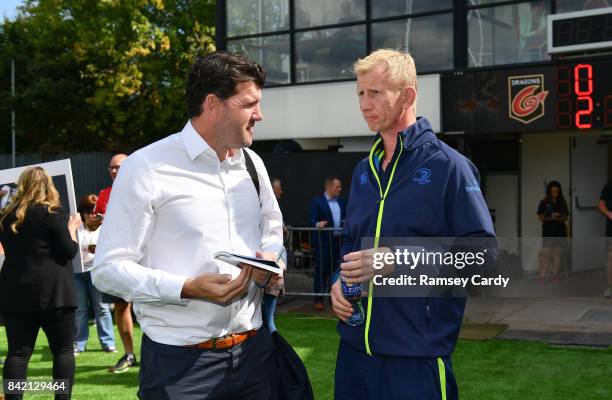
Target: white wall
[[317, 144], [356, 144], [544, 157], [502, 195], [330, 110]]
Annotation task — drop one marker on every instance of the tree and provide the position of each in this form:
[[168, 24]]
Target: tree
[[103, 75]]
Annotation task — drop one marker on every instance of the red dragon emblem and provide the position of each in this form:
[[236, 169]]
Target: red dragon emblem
[[526, 97]]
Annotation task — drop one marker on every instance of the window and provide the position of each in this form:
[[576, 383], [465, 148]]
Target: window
[[301, 41], [481, 2], [390, 8], [311, 13], [270, 51], [250, 17], [329, 53], [579, 5], [429, 39], [507, 34]]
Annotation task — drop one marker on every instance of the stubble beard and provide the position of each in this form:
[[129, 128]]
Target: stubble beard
[[234, 136], [247, 138]]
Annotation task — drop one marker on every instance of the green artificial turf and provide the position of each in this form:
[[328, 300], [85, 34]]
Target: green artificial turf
[[485, 370]]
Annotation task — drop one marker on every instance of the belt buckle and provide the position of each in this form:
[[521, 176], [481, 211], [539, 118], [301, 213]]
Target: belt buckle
[[230, 340], [224, 340]]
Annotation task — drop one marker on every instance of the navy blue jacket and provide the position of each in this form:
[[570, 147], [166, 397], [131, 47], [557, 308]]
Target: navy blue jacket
[[320, 211], [435, 193]]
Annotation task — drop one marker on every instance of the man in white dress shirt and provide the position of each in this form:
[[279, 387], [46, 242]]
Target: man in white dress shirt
[[175, 203]]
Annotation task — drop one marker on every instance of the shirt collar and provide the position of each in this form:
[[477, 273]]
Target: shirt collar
[[379, 151], [194, 143], [328, 197], [238, 159]]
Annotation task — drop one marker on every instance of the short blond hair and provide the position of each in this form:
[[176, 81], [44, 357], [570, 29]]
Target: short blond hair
[[400, 66]]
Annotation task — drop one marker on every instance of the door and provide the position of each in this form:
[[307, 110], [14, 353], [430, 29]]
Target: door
[[589, 165]]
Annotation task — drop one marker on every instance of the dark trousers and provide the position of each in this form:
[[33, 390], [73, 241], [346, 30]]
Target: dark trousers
[[21, 332], [359, 376], [245, 371], [326, 262]]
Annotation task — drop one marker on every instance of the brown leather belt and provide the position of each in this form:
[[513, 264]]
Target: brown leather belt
[[225, 342]]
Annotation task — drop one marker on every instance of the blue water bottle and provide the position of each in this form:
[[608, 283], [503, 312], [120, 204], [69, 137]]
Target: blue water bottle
[[352, 292]]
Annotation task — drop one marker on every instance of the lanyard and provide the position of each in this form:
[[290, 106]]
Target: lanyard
[[381, 206]]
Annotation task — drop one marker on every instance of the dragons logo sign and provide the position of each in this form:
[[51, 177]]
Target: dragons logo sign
[[526, 97]]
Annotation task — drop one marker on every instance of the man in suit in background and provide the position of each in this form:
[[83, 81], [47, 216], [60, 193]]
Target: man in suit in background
[[326, 211]]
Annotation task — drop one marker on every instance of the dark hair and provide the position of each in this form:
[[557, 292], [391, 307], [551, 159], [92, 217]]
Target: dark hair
[[218, 73], [560, 199], [87, 203], [329, 180]]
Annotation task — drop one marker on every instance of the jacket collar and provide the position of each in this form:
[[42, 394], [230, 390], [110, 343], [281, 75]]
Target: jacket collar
[[416, 134]]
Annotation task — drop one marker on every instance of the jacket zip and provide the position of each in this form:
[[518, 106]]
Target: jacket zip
[[381, 207]]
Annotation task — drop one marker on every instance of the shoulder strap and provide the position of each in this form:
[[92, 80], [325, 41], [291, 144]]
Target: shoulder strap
[[251, 170]]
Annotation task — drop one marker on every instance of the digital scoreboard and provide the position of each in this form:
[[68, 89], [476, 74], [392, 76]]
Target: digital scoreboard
[[580, 31], [552, 97], [584, 96]]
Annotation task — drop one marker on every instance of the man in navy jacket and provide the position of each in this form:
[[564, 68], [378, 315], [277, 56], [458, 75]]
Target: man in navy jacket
[[411, 185], [326, 211]]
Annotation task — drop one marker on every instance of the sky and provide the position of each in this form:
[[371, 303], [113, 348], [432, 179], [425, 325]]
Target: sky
[[8, 8]]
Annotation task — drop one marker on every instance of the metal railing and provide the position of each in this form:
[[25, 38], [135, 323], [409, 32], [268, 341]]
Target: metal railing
[[313, 255]]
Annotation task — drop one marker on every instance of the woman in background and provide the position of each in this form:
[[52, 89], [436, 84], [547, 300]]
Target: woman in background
[[86, 291], [552, 212], [37, 280]]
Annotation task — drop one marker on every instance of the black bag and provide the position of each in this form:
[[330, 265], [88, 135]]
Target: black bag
[[291, 375]]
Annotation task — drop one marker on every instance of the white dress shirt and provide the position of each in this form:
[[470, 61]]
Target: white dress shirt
[[174, 205], [86, 238], [334, 206]]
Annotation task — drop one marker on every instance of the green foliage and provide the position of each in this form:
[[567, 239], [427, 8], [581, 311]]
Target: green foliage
[[100, 75]]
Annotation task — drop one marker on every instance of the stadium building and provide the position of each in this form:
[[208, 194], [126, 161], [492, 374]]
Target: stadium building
[[523, 88]]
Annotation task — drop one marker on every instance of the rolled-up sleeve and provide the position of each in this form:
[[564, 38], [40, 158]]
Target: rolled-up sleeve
[[128, 223]]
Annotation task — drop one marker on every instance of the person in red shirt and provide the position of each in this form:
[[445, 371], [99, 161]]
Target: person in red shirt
[[123, 310], [104, 196]]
